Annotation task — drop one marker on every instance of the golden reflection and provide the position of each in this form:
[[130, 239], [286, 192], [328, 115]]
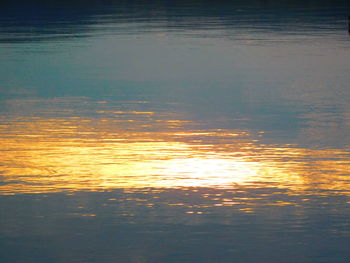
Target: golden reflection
[[72, 154]]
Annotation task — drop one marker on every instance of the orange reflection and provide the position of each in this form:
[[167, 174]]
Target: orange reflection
[[72, 154]]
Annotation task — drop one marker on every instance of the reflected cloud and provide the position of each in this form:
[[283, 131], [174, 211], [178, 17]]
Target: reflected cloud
[[98, 154]]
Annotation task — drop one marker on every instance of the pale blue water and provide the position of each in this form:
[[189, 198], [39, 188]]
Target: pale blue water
[[188, 131]]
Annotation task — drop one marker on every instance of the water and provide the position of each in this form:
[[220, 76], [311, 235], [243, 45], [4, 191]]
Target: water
[[186, 131]]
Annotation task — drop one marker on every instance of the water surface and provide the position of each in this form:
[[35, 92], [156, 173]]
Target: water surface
[[174, 132]]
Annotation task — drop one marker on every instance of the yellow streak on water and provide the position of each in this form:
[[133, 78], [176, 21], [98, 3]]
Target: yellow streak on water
[[72, 154]]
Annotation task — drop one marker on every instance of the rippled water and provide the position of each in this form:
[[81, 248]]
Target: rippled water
[[186, 131]]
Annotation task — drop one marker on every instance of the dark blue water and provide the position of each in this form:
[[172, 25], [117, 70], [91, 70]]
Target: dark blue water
[[174, 131]]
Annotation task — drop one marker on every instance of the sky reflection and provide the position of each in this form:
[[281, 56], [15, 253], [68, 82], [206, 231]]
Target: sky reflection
[[174, 131], [146, 149]]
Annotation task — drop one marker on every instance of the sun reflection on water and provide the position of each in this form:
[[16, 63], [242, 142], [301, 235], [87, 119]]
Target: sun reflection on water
[[75, 154]]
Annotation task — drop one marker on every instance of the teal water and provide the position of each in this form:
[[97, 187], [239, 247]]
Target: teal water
[[186, 131]]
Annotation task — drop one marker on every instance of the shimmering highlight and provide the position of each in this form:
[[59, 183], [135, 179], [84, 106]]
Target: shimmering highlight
[[76, 154]]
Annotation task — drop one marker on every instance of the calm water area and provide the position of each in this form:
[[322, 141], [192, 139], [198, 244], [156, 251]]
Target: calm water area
[[174, 131]]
